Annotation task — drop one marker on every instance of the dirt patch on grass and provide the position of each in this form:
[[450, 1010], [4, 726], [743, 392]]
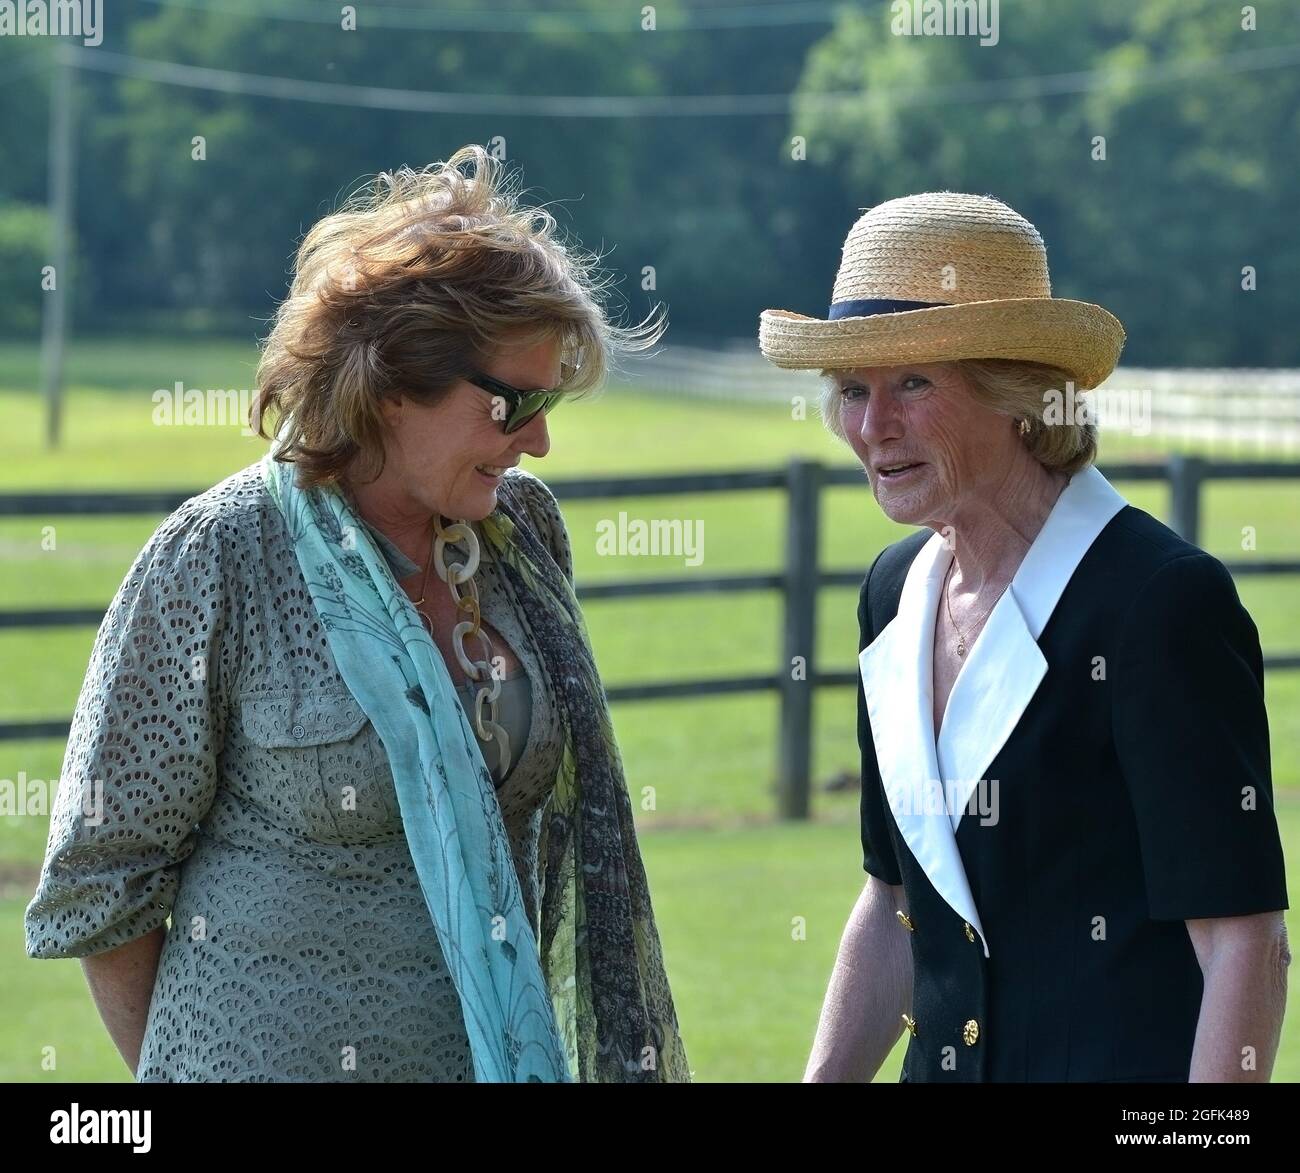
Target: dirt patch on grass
[[18, 880]]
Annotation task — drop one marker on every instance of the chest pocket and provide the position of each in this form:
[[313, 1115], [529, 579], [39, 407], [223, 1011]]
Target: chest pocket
[[324, 765], [300, 720]]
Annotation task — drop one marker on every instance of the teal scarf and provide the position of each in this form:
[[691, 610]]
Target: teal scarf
[[590, 1000], [448, 804]]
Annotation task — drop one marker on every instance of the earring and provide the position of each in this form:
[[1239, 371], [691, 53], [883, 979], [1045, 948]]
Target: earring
[[1023, 427]]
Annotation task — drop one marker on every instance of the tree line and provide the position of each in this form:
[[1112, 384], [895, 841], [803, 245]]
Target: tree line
[[1153, 144]]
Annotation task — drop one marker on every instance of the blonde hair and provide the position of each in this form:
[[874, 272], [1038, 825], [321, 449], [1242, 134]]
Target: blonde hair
[[410, 286], [1015, 389]]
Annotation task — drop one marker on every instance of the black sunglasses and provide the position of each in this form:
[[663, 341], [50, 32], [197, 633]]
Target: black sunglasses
[[522, 406]]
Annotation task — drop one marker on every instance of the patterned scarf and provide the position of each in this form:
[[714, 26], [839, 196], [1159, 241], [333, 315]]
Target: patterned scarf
[[591, 1000]]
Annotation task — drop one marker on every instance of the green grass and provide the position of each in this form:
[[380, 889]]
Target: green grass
[[748, 990], [749, 995]]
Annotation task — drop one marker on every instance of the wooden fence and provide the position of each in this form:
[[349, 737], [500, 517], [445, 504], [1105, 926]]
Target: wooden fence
[[797, 581]]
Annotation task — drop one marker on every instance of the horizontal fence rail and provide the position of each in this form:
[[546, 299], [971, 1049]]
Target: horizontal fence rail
[[799, 580], [1244, 408]]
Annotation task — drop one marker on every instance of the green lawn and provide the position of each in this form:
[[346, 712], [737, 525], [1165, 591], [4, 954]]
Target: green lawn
[[748, 990], [749, 994]]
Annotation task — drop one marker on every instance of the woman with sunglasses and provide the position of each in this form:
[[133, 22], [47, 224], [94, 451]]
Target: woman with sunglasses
[[343, 718]]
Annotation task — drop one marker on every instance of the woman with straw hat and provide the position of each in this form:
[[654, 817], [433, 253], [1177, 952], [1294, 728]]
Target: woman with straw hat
[[1074, 868]]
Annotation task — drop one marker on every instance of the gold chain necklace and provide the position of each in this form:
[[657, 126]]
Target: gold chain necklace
[[481, 672], [963, 644]]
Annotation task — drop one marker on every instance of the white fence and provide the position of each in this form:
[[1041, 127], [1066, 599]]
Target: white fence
[[1242, 410]]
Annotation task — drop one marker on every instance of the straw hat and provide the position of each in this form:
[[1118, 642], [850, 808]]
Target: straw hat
[[944, 276]]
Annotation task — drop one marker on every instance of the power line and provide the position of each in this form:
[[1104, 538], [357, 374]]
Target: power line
[[1079, 82], [466, 20], [426, 101], [668, 105]]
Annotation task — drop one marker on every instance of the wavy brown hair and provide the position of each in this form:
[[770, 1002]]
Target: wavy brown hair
[[416, 281]]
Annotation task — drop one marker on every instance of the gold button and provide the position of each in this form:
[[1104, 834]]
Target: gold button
[[970, 933], [909, 1022], [970, 1033], [905, 921]]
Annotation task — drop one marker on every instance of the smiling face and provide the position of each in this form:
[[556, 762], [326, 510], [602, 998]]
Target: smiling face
[[450, 457], [927, 444]]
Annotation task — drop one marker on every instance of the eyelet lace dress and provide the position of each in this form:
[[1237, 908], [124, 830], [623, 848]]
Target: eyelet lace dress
[[246, 795]]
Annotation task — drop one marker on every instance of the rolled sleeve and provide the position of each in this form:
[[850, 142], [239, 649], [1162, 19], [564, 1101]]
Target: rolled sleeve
[[140, 769], [1191, 733], [878, 856]]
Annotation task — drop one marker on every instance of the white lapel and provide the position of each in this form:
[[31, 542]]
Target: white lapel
[[929, 781], [898, 682], [1005, 667]]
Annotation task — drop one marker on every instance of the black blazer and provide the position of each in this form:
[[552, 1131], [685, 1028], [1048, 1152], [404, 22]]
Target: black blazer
[[1126, 789]]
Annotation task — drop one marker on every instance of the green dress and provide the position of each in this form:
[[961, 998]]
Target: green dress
[[246, 796]]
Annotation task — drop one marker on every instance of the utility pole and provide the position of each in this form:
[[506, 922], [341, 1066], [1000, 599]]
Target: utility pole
[[54, 321]]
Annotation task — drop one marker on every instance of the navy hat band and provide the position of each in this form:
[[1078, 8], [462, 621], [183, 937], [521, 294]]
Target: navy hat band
[[871, 306]]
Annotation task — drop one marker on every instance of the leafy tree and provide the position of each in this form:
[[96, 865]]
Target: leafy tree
[[1198, 178]]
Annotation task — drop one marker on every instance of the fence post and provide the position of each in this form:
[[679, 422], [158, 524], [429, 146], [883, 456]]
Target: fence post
[[1185, 476], [798, 666]]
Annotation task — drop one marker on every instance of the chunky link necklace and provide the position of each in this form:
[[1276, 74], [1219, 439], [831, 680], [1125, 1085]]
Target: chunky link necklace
[[481, 672]]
